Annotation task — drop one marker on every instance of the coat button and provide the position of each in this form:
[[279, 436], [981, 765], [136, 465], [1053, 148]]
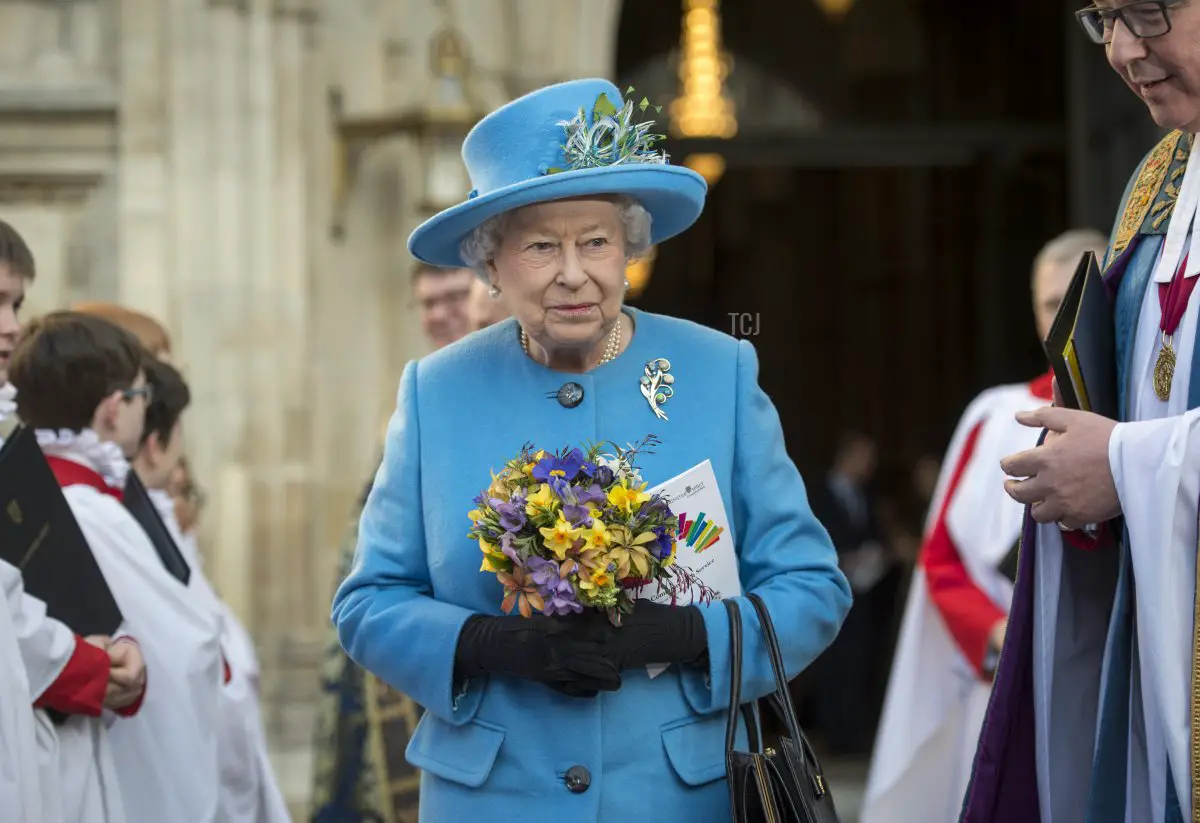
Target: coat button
[[578, 779], [570, 395]]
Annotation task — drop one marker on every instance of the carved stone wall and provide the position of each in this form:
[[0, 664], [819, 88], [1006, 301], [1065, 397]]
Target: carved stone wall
[[177, 156]]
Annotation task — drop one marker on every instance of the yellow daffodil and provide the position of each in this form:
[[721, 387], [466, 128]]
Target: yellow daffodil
[[596, 580], [543, 498], [475, 515], [500, 488], [627, 498], [494, 563], [528, 467], [597, 537], [560, 537], [488, 547]]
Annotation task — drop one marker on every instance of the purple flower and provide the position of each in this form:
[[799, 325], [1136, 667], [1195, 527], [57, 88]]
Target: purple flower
[[591, 494], [603, 477], [560, 603], [561, 487], [544, 573], [559, 594], [565, 467], [480, 500], [577, 515], [587, 469], [512, 516], [509, 548]]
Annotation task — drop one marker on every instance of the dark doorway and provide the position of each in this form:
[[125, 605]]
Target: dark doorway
[[880, 262], [893, 176]]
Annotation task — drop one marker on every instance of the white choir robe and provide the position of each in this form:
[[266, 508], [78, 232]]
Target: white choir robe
[[47, 774], [249, 791], [75, 767], [166, 756], [936, 699], [29, 782]]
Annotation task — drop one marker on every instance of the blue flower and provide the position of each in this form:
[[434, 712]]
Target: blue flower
[[604, 477], [661, 547], [566, 467]]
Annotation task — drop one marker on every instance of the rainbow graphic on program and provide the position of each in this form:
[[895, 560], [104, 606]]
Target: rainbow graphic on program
[[700, 534]]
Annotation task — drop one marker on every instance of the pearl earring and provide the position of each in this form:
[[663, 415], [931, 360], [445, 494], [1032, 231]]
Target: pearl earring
[[627, 284], [494, 291]]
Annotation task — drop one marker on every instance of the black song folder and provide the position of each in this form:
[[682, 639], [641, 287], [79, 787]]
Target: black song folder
[[40, 536], [139, 504], [1082, 346]]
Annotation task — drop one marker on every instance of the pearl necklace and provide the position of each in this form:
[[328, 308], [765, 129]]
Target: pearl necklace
[[610, 349]]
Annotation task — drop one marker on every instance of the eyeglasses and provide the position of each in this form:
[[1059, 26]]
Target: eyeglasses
[[146, 391], [1143, 18]]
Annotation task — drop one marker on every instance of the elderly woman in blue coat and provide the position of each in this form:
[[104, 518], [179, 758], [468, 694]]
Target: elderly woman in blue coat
[[556, 717]]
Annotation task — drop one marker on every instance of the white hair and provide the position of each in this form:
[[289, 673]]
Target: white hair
[[480, 246], [1068, 248]]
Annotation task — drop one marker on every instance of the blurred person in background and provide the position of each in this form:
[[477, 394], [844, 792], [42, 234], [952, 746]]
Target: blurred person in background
[[442, 295], [847, 677], [363, 726], [249, 790]]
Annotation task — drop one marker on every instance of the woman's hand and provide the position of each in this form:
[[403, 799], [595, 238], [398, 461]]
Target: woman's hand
[[565, 653], [658, 633]]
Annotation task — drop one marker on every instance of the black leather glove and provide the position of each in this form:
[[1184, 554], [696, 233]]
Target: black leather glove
[[658, 633], [564, 653]]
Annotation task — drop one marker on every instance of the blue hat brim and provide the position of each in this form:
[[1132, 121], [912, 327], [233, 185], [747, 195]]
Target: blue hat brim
[[673, 195]]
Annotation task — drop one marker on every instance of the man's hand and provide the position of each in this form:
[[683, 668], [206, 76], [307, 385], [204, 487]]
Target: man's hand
[[1068, 477], [126, 676]]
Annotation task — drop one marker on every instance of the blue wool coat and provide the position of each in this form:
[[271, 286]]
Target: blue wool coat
[[499, 748]]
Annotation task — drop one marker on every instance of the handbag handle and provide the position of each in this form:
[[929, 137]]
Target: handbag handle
[[735, 686], [782, 699]]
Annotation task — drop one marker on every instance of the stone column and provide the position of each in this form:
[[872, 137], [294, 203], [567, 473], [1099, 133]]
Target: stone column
[[142, 158], [228, 333]]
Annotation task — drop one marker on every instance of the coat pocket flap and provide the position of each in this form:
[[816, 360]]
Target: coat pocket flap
[[464, 754], [696, 748]]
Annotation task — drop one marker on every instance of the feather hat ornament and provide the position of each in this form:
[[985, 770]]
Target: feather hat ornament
[[573, 139]]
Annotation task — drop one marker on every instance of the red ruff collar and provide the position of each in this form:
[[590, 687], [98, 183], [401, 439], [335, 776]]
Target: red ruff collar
[[1043, 387], [70, 473]]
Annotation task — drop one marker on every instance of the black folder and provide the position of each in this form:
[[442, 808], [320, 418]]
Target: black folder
[[139, 504], [1082, 346], [40, 536]]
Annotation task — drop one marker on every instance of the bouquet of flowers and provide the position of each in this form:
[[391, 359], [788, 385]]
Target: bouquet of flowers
[[576, 528]]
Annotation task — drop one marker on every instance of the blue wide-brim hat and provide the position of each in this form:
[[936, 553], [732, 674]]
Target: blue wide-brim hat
[[538, 148]]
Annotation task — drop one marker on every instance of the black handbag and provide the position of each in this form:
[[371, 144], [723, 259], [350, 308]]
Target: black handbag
[[769, 786]]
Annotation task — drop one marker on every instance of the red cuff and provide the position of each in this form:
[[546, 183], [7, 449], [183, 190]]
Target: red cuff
[[968, 612], [1081, 540], [228, 671], [81, 687]]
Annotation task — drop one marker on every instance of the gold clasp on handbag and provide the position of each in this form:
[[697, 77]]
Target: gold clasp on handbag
[[819, 782]]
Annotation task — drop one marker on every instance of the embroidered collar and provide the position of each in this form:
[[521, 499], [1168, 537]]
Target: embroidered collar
[[1043, 387], [86, 449], [8, 401]]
